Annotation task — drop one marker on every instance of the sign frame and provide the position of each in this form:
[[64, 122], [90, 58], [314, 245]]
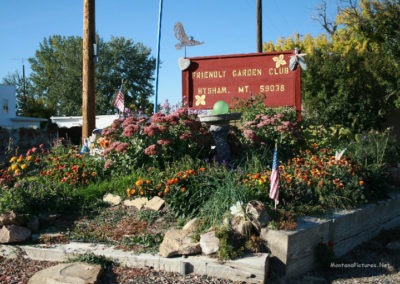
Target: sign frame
[[208, 79]]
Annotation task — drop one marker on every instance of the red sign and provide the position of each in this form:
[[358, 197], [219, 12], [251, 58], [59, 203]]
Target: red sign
[[229, 77]]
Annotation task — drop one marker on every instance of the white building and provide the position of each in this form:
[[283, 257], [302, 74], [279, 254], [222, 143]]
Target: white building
[[8, 117]]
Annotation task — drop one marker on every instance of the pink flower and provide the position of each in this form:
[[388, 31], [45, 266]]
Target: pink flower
[[128, 121], [158, 118], [251, 135], [151, 150], [151, 130], [130, 130], [122, 148], [107, 164], [164, 142], [185, 136], [172, 119]]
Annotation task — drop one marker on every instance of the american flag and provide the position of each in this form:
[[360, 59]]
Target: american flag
[[274, 179], [119, 101]]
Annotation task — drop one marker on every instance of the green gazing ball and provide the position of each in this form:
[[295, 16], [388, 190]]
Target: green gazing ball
[[220, 107]]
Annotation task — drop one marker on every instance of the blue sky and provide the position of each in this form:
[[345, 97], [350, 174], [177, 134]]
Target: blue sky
[[226, 27]]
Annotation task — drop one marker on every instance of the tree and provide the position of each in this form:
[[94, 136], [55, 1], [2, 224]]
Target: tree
[[122, 59], [377, 25], [27, 103], [57, 74], [353, 76]]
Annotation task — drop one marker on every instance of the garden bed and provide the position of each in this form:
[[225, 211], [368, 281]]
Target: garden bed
[[293, 252]]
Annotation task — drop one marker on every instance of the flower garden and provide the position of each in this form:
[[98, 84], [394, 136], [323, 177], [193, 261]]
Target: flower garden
[[170, 155]]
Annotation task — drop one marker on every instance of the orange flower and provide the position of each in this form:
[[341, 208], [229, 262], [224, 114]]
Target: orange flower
[[361, 182], [139, 182], [75, 168], [183, 189]]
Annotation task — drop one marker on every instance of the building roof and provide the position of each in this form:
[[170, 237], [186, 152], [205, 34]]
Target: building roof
[[102, 121]]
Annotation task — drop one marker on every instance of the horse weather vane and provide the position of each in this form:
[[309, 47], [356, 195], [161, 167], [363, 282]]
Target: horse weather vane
[[184, 39]]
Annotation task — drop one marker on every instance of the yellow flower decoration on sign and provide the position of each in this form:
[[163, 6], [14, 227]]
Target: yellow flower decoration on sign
[[200, 100], [279, 61]]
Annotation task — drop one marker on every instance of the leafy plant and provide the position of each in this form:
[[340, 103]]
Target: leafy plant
[[92, 258], [229, 246], [148, 243]]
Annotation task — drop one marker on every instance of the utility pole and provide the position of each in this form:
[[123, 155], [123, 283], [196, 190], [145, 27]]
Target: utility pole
[[88, 70], [23, 75], [259, 25]]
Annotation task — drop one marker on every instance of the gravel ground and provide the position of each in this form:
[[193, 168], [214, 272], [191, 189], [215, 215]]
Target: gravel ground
[[20, 270]]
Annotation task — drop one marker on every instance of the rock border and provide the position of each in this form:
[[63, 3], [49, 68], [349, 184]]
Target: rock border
[[293, 252], [248, 269]]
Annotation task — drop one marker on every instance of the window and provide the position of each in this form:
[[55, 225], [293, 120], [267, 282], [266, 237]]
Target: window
[[5, 105]]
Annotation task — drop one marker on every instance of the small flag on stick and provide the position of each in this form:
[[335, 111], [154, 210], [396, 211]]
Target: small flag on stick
[[119, 101], [274, 179]]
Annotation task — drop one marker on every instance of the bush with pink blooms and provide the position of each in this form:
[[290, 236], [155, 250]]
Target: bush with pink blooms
[[154, 142]]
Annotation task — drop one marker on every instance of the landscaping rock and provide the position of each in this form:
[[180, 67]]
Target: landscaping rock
[[11, 219], [14, 234], [209, 243], [256, 212], [191, 226], [112, 199], [245, 228], [178, 242], [9, 251], [138, 203], [156, 203], [65, 273]]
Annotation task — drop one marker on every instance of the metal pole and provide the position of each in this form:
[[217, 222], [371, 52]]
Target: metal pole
[[259, 25], [158, 55]]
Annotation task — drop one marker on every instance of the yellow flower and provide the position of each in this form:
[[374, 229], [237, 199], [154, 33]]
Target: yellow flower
[[20, 159], [14, 167], [29, 158], [13, 159], [23, 166]]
